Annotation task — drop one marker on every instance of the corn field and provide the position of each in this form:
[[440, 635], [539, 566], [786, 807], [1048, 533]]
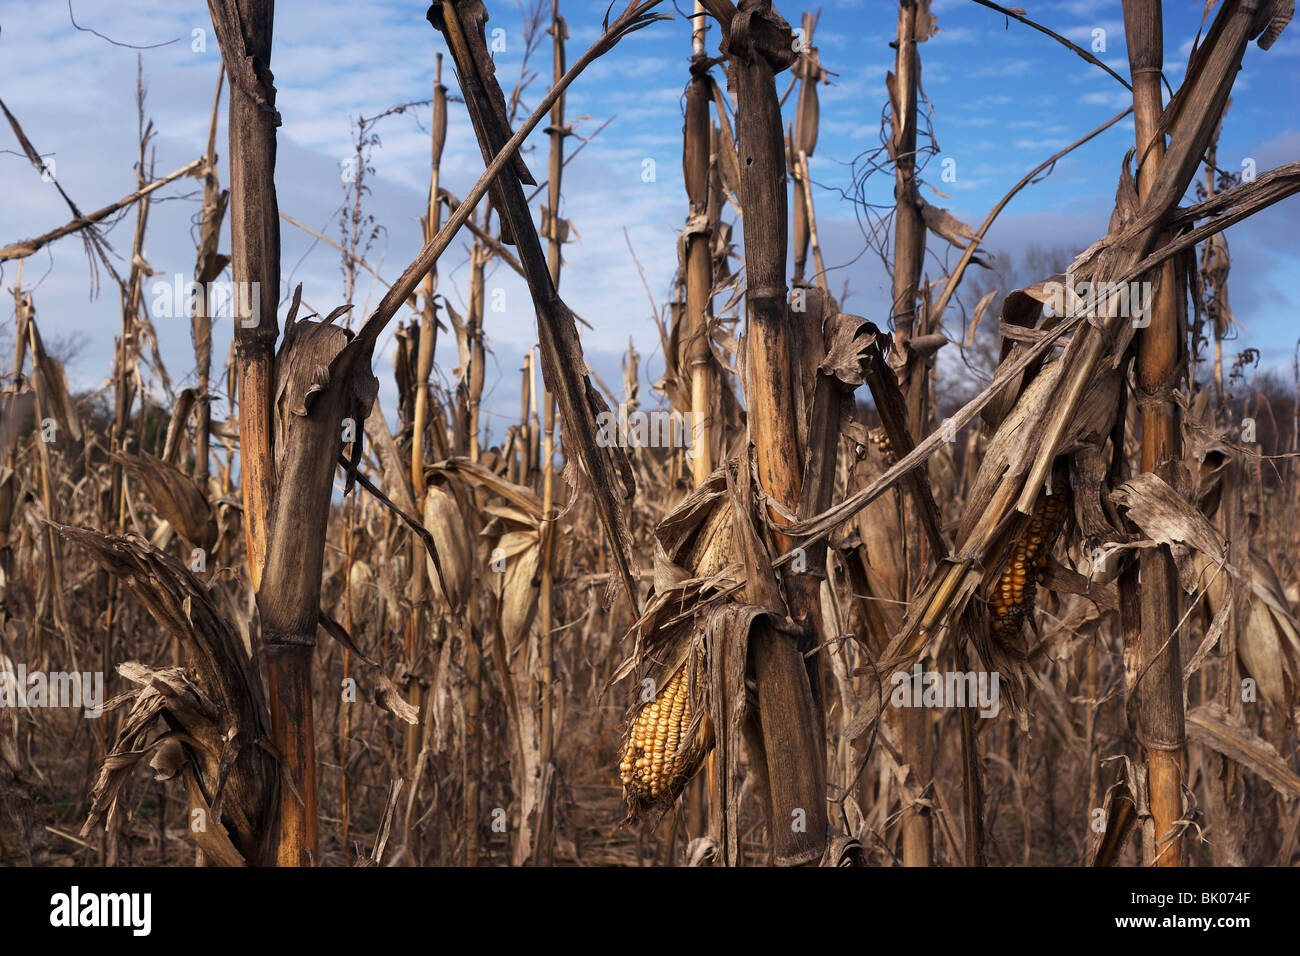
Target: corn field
[[991, 574]]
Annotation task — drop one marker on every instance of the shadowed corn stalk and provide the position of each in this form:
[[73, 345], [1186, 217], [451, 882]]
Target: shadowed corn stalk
[[208, 267], [695, 319], [244, 31]]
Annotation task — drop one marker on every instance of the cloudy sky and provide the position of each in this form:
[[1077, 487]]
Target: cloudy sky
[[1001, 97]]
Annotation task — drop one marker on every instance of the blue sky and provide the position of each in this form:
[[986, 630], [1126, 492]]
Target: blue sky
[[1003, 97]]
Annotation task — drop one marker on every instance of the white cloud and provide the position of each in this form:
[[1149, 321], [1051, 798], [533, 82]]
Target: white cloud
[[1045, 145], [1085, 34], [1116, 99], [1006, 68], [948, 35]]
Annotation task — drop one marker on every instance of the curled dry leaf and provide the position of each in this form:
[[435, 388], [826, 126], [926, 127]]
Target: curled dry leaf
[[167, 692], [1169, 518], [947, 226], [176, 497]]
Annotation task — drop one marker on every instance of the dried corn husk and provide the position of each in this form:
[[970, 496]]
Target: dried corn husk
[[1268, 645], [444, 519], [516, 586]]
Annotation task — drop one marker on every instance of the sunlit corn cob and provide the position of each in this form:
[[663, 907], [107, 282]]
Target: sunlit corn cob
[[1012, 596], [880, 439], [653, 756]]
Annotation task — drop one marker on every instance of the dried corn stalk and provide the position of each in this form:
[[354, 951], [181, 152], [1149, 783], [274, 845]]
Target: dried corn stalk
[[218, 702]]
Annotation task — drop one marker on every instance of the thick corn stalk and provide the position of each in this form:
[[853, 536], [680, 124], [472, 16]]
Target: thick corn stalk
[[1161, 367], [759, 44], [914, 25]]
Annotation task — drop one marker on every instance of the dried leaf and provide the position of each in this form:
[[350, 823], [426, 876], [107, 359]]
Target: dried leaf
[[176, 497]]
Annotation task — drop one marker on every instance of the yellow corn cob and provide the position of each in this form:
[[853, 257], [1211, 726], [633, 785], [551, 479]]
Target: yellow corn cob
[[880, 438], [1012, 596], [652, 759]]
